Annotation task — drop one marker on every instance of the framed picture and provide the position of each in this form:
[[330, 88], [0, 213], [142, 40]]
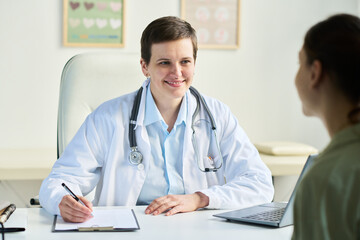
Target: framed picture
[[94, 23], [217, 22]]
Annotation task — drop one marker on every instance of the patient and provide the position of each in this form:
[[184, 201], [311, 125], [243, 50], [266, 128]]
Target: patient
[[327, 204]]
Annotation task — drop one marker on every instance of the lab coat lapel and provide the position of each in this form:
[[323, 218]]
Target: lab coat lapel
[[143, 144], [141, 133]]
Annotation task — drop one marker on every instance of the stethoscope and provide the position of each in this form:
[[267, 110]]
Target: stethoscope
[[136, 156]]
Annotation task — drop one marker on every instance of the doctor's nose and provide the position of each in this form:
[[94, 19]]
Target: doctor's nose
[[176, 71]]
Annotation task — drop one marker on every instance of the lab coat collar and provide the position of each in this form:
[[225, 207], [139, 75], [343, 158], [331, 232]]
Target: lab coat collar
[[182, 116], [152, 113], [141, 114]]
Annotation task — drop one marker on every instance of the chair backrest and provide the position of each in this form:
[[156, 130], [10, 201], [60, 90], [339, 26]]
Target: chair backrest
[[87, 81]]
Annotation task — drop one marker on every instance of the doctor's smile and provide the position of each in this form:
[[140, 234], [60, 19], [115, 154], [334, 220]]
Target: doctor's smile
[[175, 84]]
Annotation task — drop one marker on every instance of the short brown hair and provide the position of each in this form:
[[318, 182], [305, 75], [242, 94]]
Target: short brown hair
[[166, 29]]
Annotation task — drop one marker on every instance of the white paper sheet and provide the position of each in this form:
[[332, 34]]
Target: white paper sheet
[[116, 218]]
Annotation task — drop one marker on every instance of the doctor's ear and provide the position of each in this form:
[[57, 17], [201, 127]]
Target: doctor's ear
[[144, 68], [316, 73]]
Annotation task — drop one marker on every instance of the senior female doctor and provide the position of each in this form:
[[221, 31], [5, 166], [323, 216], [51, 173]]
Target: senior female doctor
[[177, 162]]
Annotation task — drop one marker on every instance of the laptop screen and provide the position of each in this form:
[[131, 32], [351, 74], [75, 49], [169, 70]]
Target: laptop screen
[[288, 215]]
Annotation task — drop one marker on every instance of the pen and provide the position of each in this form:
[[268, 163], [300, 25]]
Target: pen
[[7, 230], [73, 195]]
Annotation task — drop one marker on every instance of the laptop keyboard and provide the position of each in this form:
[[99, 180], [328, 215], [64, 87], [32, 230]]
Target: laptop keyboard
[[275, 204], [272, 216]]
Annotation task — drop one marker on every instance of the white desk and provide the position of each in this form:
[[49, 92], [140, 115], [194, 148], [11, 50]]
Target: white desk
[[194, 225]]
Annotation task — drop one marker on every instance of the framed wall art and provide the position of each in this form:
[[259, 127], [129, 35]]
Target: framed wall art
[[94, 23], [217, 22]]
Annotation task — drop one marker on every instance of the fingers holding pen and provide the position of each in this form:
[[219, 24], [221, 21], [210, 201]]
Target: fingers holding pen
[[77, 206], [87, 203], [73, 211]]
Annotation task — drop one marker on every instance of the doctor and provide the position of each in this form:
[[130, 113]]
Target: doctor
[[179, 171]]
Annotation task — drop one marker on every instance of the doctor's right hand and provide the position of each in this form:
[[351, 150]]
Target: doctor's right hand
[[73, 211]]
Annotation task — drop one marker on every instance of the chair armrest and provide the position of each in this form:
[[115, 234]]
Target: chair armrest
[[34, 201]]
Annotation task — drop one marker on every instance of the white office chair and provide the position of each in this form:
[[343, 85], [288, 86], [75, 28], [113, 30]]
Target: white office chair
[[87, 81]]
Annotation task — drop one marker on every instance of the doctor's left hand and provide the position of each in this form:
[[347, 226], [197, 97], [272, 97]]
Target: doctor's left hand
[[177, 203]]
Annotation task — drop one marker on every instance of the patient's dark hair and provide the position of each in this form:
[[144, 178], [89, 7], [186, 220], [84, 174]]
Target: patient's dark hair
[[166, 29], [335, 42]]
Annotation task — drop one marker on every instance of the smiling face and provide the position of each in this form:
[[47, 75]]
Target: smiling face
[[171, 70]]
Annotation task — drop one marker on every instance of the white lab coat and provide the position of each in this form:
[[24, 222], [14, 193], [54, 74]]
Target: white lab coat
[[98, 156]]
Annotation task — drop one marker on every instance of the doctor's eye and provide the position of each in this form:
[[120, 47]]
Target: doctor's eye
[[164, 63], [185, 61]]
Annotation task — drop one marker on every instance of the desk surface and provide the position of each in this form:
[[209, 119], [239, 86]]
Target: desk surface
[[26, 164], [194, 225]]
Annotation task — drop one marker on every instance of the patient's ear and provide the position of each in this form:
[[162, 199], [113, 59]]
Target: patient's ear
[[316, 73], [144, 67]]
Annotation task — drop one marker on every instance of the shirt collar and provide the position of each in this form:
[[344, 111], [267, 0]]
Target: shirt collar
[[152, 113], [182, 112]]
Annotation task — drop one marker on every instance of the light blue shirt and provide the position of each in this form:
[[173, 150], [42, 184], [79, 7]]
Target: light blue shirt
[[165, 163]]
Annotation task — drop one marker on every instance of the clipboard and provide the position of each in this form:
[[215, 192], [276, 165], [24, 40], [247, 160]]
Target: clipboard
[[104, 220]]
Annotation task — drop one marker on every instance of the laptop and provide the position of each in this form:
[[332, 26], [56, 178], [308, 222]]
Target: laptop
[[276, 214]]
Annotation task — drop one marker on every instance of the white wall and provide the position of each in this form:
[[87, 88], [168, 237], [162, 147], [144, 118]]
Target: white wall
[[256, 81]]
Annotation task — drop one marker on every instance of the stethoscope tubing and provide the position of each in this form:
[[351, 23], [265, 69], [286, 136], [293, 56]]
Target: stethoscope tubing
[[133, 118]]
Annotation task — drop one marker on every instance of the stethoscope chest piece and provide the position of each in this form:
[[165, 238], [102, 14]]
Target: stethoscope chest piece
[[135, 157]]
